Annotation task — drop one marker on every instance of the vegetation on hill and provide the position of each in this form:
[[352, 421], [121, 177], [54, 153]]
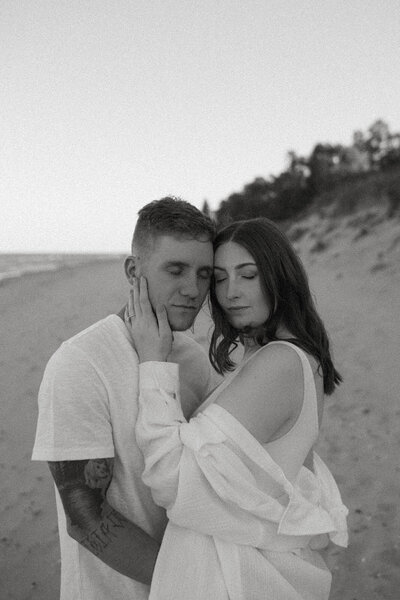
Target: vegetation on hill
[[334, 179]]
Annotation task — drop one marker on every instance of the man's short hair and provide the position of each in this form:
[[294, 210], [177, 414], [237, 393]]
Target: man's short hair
[[171, 216]]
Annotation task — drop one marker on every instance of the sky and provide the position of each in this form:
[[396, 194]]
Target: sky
[[106, 105]]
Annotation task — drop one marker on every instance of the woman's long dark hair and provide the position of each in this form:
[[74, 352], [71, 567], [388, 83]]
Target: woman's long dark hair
[[285, 286]]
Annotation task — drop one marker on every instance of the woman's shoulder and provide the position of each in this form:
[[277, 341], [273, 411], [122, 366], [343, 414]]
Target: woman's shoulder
[[267, 391], [285, 353], [285, 367], [279, 357]]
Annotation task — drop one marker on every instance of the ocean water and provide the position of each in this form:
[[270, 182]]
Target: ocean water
[[16, 265]]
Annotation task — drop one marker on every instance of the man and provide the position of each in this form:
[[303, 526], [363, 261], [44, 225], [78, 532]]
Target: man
[[110, 529]]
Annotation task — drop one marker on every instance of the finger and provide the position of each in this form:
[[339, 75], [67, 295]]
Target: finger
[[163, 323], [126, 314], [135, 293], [130, 307], [144, 297]]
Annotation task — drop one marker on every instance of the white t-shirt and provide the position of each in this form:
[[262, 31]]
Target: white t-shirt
[[87, 409]]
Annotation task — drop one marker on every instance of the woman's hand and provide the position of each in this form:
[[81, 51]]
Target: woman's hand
[[150, 333]]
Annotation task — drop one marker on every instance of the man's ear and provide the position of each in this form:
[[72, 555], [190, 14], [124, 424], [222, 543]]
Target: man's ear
[[130, 268]]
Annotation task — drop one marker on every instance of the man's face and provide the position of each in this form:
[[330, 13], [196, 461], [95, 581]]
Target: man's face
[[178, 273]]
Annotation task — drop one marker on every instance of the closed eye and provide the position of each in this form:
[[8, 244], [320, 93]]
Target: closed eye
[[175, 271], [206, 275]]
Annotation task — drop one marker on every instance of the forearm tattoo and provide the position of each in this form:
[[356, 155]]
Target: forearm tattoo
[[82, 485]]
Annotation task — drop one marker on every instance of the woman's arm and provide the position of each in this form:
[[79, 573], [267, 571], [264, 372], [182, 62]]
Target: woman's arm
[[263, 397], [158, 426], [161, 424], [204, 472]]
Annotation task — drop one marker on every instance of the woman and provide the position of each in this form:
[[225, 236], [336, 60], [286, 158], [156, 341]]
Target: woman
[[248, 502]]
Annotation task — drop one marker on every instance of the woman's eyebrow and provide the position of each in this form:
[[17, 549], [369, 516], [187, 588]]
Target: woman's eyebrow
[[248, 264]]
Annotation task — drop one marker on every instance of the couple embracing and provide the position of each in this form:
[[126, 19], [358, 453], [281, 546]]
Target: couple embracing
[[169, 486]]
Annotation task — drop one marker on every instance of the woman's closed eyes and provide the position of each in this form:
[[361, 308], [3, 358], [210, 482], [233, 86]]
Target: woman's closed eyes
[[219, 278]]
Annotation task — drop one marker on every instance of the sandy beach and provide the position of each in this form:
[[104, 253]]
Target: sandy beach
[[355, 275]]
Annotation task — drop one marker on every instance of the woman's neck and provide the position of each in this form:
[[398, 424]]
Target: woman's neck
[[251, 345]]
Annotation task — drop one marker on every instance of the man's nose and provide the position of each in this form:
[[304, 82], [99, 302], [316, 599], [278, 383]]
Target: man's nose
[[190, 287]]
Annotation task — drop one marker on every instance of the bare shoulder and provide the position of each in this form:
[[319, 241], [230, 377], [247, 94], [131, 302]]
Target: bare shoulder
[[267, 393], [273, 363], [287, 365]]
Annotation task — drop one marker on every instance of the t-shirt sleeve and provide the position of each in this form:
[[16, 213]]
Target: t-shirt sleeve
[[74, 419]]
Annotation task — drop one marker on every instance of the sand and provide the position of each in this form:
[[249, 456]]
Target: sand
[[356, 280]]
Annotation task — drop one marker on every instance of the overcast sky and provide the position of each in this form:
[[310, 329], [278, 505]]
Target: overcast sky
[[108, 104]]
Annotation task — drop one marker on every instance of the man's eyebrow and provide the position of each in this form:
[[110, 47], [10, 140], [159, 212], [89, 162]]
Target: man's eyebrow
[[175, 263], [181, 264], [249, 264]]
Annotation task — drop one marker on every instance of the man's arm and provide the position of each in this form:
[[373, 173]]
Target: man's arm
[[96, 525]]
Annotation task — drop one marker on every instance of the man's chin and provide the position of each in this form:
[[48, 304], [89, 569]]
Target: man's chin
[[181, 324], [181, 320]]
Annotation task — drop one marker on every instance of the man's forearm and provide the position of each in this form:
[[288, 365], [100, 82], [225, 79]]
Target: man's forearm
[[94, 523], [119, 543]]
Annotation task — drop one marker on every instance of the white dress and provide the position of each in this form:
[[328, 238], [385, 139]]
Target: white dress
[[239, 528]]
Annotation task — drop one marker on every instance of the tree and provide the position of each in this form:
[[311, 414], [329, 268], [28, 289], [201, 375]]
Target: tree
[[359, 140], [325, 165], [291, 194], [379, 131], [378, 141], [253, 201]]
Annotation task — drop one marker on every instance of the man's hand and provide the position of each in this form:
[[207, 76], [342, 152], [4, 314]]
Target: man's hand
[[149, 329]]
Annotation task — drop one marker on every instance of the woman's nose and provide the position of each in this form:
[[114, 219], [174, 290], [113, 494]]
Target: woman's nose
[[232, 290]]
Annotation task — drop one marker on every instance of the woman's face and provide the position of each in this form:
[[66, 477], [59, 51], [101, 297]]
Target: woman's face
[[238, 287]]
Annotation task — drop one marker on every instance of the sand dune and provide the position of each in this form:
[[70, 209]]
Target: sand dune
[[354, 273], [357, 284]]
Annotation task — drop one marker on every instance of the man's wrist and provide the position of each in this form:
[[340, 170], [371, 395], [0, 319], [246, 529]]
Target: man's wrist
[[151, 358], [159, 375]]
